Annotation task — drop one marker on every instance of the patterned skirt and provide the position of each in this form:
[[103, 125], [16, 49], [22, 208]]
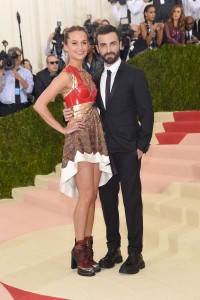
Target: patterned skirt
[[86, 145]]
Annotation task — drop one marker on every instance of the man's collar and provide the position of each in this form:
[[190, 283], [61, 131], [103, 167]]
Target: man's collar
[[114, 67]]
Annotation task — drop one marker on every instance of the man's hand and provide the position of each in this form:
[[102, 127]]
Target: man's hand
[[16, 74], [68, 113], [139, 153], [50, 38]]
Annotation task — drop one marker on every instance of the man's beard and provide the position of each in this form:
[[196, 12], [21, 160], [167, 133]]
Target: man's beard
[[113, 59]]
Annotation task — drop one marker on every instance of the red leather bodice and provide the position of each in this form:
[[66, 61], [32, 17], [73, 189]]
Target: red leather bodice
[[80, 93]]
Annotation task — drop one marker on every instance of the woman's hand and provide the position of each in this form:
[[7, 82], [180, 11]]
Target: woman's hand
[[73, 125]]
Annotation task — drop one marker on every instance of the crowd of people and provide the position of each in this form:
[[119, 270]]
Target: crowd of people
[[101, 152], [149, 26]]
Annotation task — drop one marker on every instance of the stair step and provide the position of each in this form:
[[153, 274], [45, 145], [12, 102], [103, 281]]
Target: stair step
[[191, 139], [42, 181], [158, 183], [176, 238], [187, 127], [174, 152], [181, 167], [51, 200], [163, 117], [187, 115], [168, 138], [177, 209], [19, 218]]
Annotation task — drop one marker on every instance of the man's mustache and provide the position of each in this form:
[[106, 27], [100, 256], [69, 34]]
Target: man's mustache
[[108, 53]]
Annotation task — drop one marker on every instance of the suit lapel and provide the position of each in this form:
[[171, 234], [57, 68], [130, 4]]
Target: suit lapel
[[115, 83]]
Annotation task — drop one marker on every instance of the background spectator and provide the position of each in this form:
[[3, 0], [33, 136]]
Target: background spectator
[[45, 77], [151, 32], [191, 35], [164, 8], [27, 65], [174, 28]]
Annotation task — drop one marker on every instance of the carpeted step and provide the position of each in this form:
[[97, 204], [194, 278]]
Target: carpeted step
[[179, 151], [189, 126], [51, 200], [176, 238], [169, 138], [163, 116], [187, 115], [158, 183], [167, 166], [180, 210], [19, 218], [191, 139]]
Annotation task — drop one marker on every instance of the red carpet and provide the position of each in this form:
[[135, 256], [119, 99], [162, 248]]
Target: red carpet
[[187, 115], [18, 294], [185, 122]]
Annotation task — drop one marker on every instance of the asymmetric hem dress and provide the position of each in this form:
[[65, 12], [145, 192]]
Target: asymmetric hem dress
[[87, 144]]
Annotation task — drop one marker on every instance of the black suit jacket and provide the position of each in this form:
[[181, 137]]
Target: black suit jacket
[[130, 101], [42, 81], [196, 34]]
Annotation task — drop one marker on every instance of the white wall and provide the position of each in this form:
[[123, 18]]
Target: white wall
[[39, 19]]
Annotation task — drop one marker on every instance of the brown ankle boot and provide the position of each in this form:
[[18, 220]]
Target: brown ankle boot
[[80, 259], [90, 253]]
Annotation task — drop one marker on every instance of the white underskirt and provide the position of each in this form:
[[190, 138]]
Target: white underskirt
[[67, 181]]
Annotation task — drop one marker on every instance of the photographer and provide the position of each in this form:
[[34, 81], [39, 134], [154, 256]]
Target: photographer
[[132, 43], [15, 83], [92, 27], [93, 63], [55, 46]]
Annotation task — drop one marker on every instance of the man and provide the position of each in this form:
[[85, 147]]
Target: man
[[44, 77], [137, 44], [92, 62], [191, 36], [15, 83], [121, 106]]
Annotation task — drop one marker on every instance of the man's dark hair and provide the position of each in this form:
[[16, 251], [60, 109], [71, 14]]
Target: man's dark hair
[[107, 29]]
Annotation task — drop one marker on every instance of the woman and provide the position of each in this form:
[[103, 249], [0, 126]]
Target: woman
[[85, 163], [174, 28], [151, 32]]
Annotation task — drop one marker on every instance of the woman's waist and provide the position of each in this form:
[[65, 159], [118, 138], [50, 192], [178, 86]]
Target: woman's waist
[[83, 110], [74, 101]]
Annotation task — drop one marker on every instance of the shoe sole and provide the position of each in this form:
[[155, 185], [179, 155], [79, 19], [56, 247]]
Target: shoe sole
[[85, 274], [142, 266], [110, 266]]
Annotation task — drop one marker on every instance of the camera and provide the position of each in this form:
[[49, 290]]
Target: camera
[[91, 27], [58, 40], [8, 60], [126, 33]]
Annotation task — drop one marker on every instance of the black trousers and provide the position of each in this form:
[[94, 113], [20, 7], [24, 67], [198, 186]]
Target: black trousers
[[128, 175], [6, 109]]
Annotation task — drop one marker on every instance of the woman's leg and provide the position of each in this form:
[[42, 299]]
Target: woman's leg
[[85, 184], [90, 219]]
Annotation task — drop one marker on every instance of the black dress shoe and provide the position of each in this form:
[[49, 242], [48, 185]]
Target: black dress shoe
[[112, 257], [133, 264]]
